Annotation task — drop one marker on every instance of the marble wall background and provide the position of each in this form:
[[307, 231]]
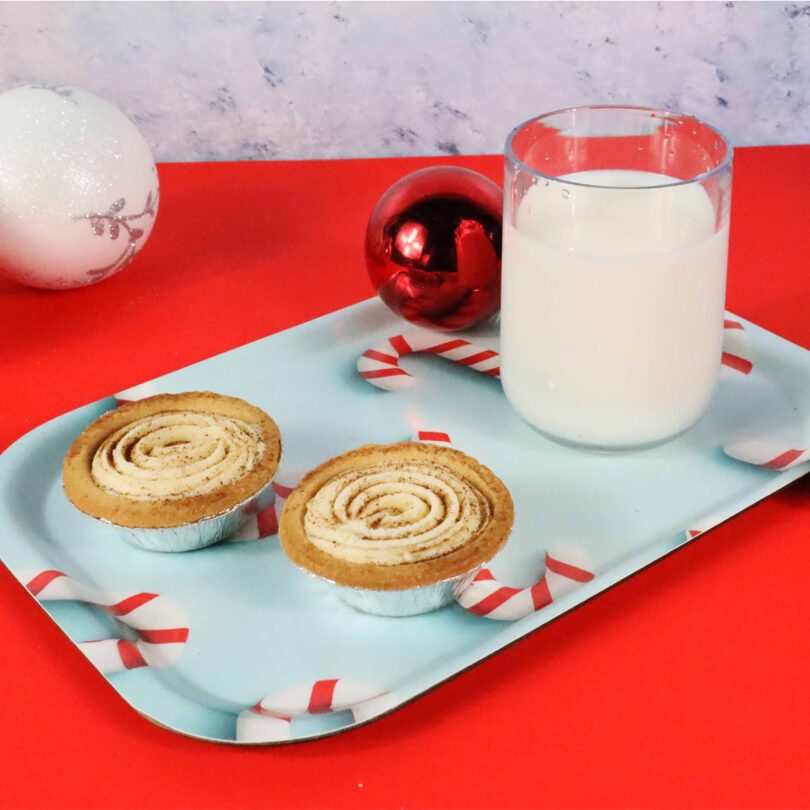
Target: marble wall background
[[209, 81]]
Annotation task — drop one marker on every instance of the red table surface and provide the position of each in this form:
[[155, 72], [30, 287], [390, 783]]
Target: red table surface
[[686, 686]]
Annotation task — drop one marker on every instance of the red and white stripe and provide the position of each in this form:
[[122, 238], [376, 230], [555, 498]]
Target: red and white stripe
[[566, 570], [380, 364], [767, 453], [282, 492], [738, 353], [270, 720], [159, 627], [698, 527], [262, 520], [761, 451], [432, 437]]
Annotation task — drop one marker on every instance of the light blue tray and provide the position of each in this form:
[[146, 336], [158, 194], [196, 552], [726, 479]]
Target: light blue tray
[[258, 627]]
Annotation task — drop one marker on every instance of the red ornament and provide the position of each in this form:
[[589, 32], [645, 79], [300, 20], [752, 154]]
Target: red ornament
[[433, 248]]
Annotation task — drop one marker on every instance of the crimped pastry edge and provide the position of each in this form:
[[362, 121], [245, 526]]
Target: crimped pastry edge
[[87, 496], [405, 575]]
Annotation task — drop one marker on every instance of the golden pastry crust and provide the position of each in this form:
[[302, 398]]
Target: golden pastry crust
[[478, 550], [86, 495]]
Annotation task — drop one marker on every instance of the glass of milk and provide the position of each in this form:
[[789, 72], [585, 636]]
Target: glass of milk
[[614, 271]]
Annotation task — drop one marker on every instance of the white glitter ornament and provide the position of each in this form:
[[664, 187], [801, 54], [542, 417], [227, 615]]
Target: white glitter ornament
[[78, 187]]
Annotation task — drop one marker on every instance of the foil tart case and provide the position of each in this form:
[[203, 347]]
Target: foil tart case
[[402, 602], [197, 534]]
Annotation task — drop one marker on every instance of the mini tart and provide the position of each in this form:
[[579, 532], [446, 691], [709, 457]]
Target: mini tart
[[476, 551], [87, 495]]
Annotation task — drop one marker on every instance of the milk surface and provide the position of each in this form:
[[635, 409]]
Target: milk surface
[[612, 307]]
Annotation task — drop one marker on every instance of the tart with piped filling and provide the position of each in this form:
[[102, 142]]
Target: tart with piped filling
[[393, 517], [171, 459]]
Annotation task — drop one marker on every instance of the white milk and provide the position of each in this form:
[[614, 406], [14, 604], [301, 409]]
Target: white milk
[[612, 308]]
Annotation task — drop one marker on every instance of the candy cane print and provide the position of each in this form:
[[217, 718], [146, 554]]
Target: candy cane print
[[270, 720], [258, 524], [699, 527], [282, 492], [486, 596], [160, 625], [380, 364], [262, 518], [765, 452], [432, 437], [737, 350], [566, 568], [761, 451], [267, 515]]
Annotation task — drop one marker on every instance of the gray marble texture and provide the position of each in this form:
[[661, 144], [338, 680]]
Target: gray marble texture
[[222, 81]]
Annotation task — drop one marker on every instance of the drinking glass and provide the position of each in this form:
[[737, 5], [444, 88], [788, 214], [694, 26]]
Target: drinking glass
[[614, 270]]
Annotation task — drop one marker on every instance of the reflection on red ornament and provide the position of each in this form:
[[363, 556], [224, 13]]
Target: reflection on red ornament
[[433, 248], [410, 241]]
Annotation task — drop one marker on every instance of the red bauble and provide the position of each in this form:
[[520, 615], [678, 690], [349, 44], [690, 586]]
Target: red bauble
[[433, 248]]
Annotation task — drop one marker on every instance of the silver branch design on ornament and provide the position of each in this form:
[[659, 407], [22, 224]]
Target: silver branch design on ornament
[[112, 222], [65, 92]]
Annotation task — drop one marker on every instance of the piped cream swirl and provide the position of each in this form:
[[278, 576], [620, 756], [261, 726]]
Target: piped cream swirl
[[176, 454], [395, 513]]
